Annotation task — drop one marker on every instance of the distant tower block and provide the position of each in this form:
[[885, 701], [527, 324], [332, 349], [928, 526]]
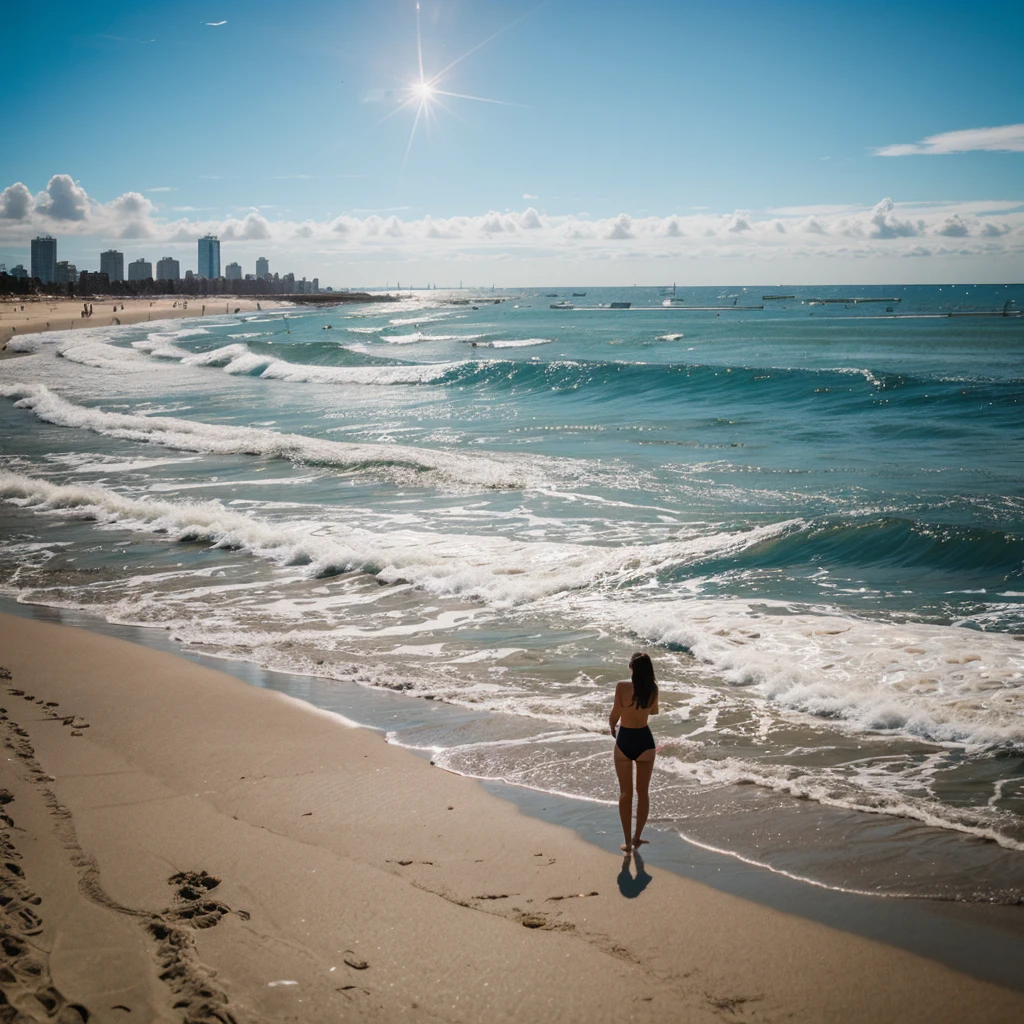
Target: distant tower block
[[168, 269], [233, 272], [44, 258], [112, 264], [263, 268], [209, 257], [140, 270]]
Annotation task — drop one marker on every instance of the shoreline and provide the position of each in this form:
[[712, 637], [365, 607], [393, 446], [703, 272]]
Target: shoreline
[[310, 780], [44, 314], [393, 712]]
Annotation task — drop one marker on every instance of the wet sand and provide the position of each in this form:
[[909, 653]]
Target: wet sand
[[179, 844]]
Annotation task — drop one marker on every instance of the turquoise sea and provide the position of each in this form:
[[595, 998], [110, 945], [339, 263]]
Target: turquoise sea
[[809, 511]]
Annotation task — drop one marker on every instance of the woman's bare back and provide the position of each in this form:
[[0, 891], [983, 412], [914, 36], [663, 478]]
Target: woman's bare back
[[630, 716]]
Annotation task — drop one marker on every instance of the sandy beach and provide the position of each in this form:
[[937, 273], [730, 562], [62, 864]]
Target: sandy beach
[[179, 845], [44, 313]]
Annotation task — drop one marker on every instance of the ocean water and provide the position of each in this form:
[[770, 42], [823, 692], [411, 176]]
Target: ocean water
[[809, 513]]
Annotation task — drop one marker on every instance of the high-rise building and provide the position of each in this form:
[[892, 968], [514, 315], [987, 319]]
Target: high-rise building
[[112, 264], [140, 270], [65, 273], [263, 268], [233, 272], [209, 257], [168, 269], [44, 258]]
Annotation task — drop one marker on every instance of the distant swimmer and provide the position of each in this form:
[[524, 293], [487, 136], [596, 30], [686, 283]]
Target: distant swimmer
[[635, 701]]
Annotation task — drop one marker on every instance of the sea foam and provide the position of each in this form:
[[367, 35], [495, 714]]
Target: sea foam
[[392, 462]]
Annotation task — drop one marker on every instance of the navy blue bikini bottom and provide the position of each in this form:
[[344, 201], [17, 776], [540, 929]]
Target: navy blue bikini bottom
[[633, 742]]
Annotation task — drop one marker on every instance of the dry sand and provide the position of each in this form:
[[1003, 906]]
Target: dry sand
[[179, 845], [48, 314]]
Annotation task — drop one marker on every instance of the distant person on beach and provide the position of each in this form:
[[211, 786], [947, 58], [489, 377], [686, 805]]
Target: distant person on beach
[[635, 701]]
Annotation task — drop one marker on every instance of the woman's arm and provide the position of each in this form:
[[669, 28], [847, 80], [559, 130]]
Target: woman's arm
[[613, 718]]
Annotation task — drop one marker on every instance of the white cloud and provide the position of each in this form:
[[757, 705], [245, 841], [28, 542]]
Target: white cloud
[[620, 227], [132, 212], [254, 226], [526, 195], [15, 202], [215, 24], [131, 204], [1009, 138], [886, 224], [990, 229], [953, 227], [493, 224], [161, 188], [530, 219], [63, 199], [135, 229], [813, 225]]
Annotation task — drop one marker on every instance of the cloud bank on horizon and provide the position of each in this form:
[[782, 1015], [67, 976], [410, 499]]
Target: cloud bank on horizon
[[1009, 138], [897, 229]]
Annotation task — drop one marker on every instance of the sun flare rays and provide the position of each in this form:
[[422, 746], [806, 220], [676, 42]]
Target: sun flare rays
[[422, 95]]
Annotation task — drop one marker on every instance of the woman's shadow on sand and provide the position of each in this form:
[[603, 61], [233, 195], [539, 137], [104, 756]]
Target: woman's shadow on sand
[[632, 885]]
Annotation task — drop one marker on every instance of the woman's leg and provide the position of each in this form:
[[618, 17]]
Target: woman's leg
[[644, 769], [624, 770]]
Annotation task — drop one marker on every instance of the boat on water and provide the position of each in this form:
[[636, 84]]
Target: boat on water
[[619, 305], [562, 305], [672, 302], [578, 295], [551, 295]]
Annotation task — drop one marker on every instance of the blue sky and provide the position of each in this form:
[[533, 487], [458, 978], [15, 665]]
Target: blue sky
[[644, 141]]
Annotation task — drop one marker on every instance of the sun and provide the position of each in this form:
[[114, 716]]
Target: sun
[[424, 94]]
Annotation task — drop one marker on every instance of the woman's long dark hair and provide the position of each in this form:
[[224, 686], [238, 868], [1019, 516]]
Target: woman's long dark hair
[[645, 689]]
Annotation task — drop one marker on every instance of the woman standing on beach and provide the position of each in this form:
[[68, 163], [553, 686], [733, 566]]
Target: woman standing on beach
[[634, 702]]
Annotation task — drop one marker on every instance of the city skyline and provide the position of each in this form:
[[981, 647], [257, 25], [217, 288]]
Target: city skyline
[[49, 270], [735, 142]]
